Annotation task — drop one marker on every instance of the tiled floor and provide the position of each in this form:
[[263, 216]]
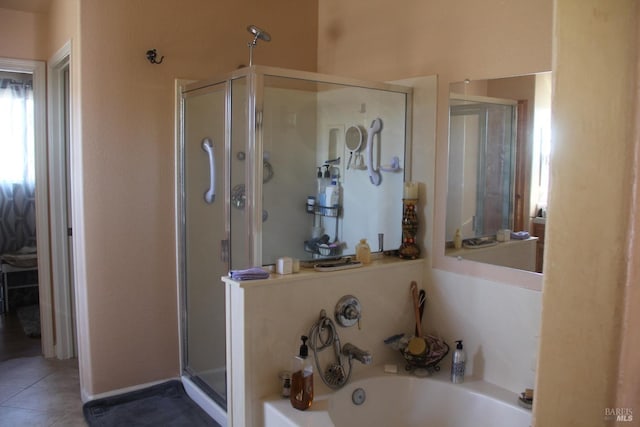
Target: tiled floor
[[39, 392], [13, 341], [35, 391]]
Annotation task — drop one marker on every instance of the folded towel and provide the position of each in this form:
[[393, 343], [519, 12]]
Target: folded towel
[[519, 235], [252, 273]]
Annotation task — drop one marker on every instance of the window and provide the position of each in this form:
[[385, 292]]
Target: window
[[16, 129]]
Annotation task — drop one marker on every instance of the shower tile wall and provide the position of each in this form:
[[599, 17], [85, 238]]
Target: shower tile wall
[[350, 106]]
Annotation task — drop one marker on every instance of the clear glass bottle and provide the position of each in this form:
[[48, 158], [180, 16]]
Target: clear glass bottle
[[301, 395], [363, 252]]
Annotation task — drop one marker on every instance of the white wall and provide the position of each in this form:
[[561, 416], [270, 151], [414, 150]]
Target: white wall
[[499, 324]]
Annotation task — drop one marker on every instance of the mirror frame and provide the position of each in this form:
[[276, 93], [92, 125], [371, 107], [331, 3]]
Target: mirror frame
[[520, 278]]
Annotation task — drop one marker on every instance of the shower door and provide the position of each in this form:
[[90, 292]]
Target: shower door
[[482, 149], [204, 244]]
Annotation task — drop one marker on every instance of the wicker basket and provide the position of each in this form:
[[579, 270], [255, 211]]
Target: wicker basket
[[437, 349]]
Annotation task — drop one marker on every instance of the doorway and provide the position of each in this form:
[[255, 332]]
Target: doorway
[[52, 199], [32, 186]]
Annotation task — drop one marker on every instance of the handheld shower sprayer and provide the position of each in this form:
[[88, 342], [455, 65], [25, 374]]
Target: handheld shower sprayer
[[258, 33]]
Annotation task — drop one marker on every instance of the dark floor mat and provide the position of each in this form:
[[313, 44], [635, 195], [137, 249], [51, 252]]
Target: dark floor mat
[[30, 320], [165, 404]]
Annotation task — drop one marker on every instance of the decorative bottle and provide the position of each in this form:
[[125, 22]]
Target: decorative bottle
[[301, 395], [408, 248]]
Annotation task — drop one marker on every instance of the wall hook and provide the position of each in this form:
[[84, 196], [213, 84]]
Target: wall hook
[[152, 55]]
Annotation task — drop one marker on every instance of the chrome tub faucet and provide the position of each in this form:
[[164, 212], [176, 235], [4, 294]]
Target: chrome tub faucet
[[353, 352]]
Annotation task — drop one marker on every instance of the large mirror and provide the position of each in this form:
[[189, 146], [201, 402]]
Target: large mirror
[[499, 147]]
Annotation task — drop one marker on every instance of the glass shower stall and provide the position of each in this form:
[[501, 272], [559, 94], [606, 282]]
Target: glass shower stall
[[482, 165], [250, 145]]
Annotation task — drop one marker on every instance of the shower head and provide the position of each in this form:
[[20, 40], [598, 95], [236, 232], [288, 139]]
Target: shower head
[[258, 33]]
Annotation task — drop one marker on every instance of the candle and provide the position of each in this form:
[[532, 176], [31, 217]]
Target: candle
[[410, 190]]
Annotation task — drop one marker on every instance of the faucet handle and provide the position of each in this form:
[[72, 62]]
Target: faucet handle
[[348, 311], [351, 312]]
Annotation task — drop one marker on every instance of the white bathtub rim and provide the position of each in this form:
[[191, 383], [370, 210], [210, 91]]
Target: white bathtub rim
[[473, 385], [318, 414]]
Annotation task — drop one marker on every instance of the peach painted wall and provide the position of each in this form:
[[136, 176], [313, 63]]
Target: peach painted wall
[[63, 24], [582, 302], [128, 161], [455, 40], [628, 390], [381, 40], [23, 35], [586, 266]]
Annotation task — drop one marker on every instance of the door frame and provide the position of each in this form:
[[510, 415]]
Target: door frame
[[38, 70], [59, 127]]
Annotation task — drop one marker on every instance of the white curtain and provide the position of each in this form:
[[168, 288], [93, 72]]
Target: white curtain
[[17, 163]]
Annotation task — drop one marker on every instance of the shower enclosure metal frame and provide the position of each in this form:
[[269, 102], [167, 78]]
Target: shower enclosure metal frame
[[253, 173], [199, 391]]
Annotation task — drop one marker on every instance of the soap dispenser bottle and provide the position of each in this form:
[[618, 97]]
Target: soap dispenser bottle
[[302, 379], [458, 362]]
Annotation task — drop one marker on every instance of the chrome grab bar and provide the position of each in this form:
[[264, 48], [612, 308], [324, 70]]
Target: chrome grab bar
[[210, 194], [374, 174]]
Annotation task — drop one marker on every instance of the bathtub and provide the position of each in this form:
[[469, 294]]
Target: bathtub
[[404, 400]]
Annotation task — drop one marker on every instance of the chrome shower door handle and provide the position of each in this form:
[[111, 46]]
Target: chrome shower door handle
[[210, 194]]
